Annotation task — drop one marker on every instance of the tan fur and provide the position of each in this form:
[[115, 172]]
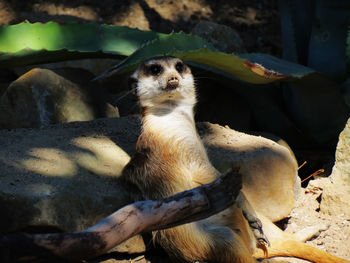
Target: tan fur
[[171, 158]]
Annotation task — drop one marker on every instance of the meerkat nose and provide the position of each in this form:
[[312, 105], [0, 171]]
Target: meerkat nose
[[173, 82]]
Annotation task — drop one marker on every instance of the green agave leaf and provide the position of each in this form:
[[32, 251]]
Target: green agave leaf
[[165, 45], [327, 49], [28, 43], [317, 107], [252, 68], [296, 22]]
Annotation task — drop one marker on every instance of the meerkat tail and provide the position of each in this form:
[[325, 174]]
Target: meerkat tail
[[285, 245], [296, 249]]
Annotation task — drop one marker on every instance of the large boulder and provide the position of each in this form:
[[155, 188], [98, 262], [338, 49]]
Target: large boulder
[[94, 65], [336, 194], [65, 176], [224, 38], [42, 97], [270, 179]]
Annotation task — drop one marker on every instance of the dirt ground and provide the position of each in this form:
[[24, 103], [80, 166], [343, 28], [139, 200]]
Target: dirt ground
[[258, 24], [335, 237]]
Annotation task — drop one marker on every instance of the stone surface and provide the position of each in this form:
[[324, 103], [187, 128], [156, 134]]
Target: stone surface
[[335, 229], [336, 195], [269, 171], [94, 65], [222, 37], [42, 97], [65, 176]]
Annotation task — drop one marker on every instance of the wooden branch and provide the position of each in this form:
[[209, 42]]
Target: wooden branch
[[139, 217]]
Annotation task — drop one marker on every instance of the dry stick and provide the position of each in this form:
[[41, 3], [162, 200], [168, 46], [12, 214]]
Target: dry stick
[[139, 217], [313, 174], [305, 162]]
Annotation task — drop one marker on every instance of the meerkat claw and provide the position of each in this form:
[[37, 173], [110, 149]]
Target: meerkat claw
[[257, 228], [253, 220]]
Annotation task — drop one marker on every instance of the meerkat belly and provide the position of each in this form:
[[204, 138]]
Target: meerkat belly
[[176, 161], [165, 178]]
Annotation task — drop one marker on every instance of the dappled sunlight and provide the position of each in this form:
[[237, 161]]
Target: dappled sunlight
[[97, 155], [48, 161], [106, 158], [249, 16], [68, 169], [7, 13], [134, 18], [184, 9]]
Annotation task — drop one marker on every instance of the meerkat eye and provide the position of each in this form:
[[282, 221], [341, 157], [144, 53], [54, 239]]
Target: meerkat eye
[[155, 69], [180, 67]]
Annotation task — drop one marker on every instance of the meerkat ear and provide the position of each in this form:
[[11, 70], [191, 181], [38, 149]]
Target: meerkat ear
[[132, 83]]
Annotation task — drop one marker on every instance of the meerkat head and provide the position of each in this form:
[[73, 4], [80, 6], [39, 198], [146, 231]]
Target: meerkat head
[[164, 82]]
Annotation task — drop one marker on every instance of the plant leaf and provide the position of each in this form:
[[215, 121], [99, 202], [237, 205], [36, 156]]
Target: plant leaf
[[252, 68], [28, 43], [165, 45], [327, 49], [296, 23], [318, 108]]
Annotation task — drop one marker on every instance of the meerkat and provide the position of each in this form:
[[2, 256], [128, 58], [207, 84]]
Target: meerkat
[[171, 158]]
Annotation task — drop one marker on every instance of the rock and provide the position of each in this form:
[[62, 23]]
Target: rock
[[111, 111], [270, 179], [42, 97], [336, 194], [224, 38], [94, 65], [65, 176]]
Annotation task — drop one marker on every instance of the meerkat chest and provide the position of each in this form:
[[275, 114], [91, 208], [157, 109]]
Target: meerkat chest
[[174, 139], [170, 170], [176, 157]]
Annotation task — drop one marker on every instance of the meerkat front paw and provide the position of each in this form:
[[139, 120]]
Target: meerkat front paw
[[257, 229], [253, 221]]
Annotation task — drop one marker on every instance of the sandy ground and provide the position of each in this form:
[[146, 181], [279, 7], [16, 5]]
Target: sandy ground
[[336, 236]]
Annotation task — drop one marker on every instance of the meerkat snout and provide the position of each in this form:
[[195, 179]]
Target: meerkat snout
[[173, 82]]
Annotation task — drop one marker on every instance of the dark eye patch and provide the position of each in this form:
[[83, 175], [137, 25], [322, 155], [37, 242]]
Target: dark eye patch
[[154, 69], [180, 67]]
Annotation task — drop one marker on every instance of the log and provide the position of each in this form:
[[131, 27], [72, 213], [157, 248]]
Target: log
[[136, 218]]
